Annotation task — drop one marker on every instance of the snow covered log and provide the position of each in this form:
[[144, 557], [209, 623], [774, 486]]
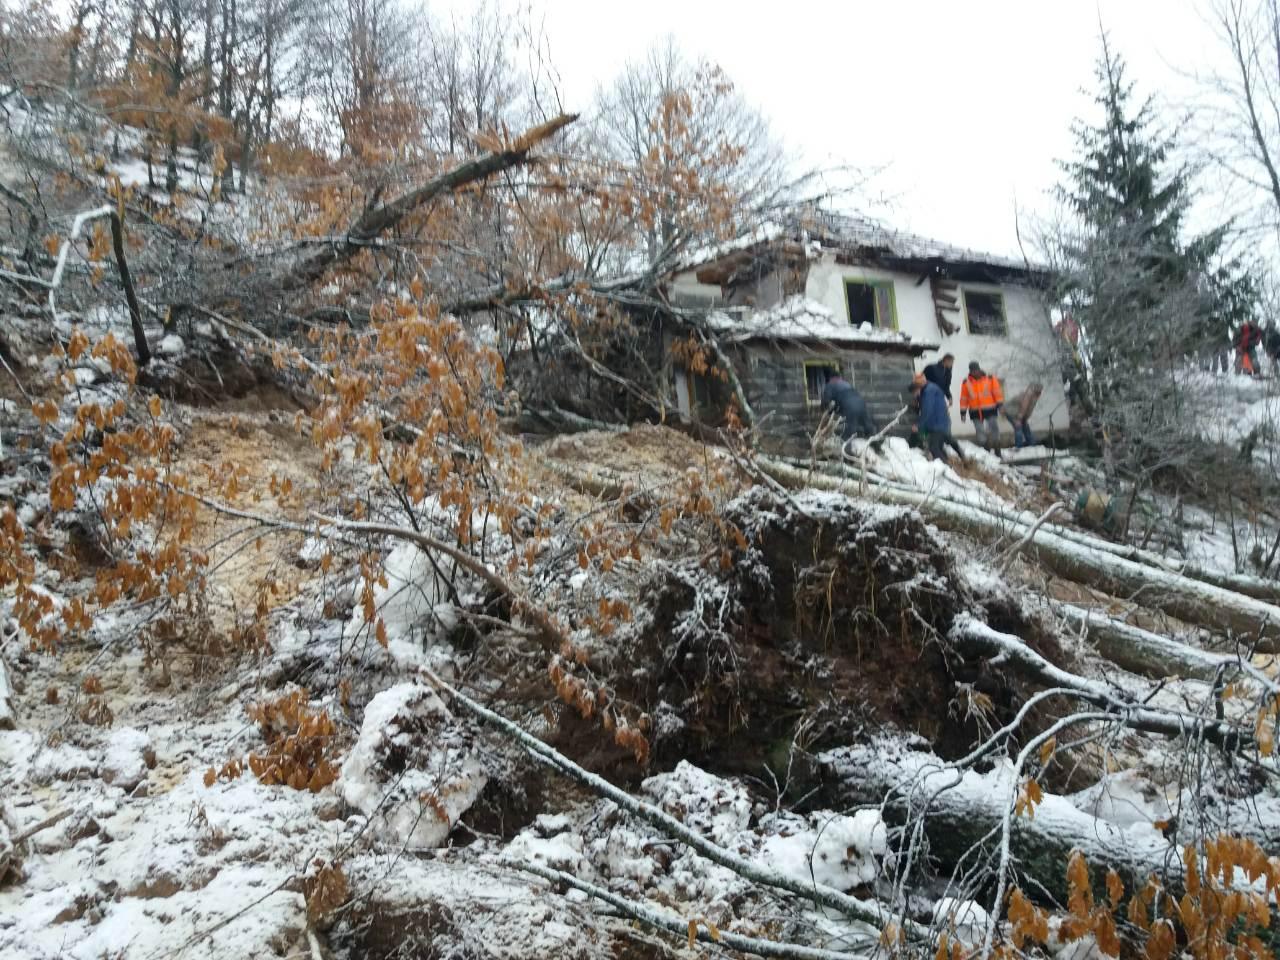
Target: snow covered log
[[962, 808], [1193, 601], [1143, 652], [1259, 588], [971, 636]]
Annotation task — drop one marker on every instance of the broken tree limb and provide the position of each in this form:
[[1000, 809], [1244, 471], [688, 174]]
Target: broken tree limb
[[385, 216], [55, 281], [1193, 601], [50, 821], [130, 295], [7, 720], [972, 636], [1029, 535], [1149, 654], [660, 920], [867, 911]]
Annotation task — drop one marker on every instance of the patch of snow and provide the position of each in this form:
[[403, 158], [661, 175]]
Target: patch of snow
[[63, 762], [718, 808], [124, 762], [312, 551], [172, 345], [1121, 798], [799, 318], [560, 851], [436, 776], [841, 852], [761, 234], [416, 597], [965, 920]]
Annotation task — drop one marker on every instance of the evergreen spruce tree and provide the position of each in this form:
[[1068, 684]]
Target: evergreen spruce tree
[[1148, 297]]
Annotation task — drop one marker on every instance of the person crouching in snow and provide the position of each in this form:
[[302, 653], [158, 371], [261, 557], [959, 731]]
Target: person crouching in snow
[[933, 422], [840, 397], [1018, 413], [982, 398]]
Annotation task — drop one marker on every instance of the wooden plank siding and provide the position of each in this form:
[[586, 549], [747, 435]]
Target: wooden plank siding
[[773, 376]]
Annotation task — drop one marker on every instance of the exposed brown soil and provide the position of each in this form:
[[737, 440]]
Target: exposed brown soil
[[834, 626], [242, 561], [647, 455]]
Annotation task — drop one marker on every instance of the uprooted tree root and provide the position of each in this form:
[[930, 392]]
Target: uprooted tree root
[[832, 621]]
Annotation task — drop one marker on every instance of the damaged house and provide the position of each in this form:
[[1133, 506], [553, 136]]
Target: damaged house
[[842, 292]]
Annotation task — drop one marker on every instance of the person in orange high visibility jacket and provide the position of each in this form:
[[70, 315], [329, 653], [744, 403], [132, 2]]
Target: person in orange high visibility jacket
[[981, 398]]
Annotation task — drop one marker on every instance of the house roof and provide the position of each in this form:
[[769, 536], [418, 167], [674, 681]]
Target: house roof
[[804, 320], [862, 233], [854, 239]]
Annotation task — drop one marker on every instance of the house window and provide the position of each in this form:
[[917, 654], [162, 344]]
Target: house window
[[985, 313], [871, 301], [700, 391], [815, 379]]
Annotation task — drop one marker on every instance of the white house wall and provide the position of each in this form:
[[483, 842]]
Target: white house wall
[[685, 288], [1027, 354]]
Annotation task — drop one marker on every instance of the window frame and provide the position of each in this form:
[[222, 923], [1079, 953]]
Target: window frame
[[837, 364], [1004, 312], [874, 285]]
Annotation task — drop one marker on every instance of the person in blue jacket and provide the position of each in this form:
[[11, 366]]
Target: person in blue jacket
[[840, 397], [934, 421]]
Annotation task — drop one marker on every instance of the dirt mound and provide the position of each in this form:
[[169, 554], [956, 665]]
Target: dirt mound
[[646, 455], [834, 620]]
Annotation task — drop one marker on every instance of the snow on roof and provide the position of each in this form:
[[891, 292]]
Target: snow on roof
[[799, 318], [707, 253], [851, 230], [825, 230]]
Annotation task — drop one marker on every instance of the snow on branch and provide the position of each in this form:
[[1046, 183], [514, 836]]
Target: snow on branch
[[694, 929]]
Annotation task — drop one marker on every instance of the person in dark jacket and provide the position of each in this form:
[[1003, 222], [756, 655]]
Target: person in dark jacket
[[940, 373], [934, 421], [840, 396], [1271, 343]]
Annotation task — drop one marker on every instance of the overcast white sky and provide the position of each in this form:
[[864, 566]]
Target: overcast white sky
[[966, 104]]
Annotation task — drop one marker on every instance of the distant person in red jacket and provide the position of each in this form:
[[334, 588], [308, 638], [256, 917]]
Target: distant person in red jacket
[[1248, 339]]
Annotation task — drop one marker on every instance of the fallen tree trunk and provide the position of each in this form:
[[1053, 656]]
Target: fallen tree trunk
[[1250, 586], [1193, 601], [972, 636], [558, 420], [1143, 652], [385, 216], [963, 809], [963, 812]]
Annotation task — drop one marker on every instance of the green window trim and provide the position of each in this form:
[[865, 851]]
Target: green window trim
[[884, 293], [998, 296], [809, 398]]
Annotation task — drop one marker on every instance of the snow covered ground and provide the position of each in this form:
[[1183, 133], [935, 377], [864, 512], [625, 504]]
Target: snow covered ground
[[127, 831]]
